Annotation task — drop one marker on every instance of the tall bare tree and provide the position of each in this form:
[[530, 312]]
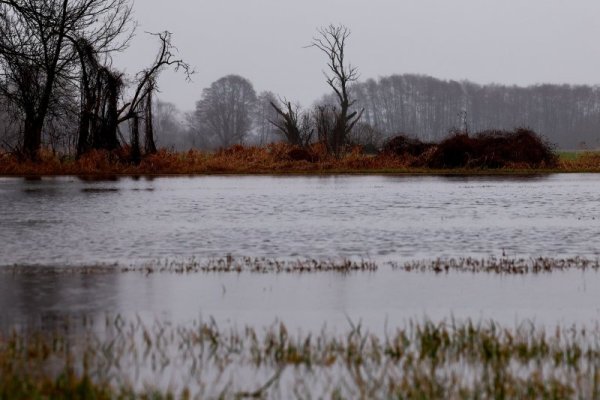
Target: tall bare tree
[[102, 87], [331, 41], [225, 110], [37, 55], [140, 105]]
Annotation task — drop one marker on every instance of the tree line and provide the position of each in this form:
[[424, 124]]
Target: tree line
[[57, 80], [567, 115], [421, 106], [59, 89]]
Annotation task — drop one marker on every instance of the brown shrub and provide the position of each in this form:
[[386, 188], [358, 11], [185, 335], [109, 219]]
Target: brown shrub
[[494, 149], [402, 145], [302, 154]]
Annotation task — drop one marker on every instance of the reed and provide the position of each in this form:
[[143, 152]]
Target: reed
[[258, 265], [127, 358]]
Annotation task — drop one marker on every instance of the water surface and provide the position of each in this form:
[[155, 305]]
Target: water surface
[[67, 221], [306, 302]]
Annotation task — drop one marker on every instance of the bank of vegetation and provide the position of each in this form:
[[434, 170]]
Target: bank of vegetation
[[520, 151]]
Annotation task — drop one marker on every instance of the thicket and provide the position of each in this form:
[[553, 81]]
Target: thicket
[[488, 149]]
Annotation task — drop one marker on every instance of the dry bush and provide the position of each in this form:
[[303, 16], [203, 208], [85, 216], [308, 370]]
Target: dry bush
[[494, 149], [403, 145]]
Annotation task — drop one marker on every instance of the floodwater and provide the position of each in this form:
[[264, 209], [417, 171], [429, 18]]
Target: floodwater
[[305, 302], [68, 221]]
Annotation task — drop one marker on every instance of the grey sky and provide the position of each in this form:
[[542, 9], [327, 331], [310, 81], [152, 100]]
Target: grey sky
[[503, 41]]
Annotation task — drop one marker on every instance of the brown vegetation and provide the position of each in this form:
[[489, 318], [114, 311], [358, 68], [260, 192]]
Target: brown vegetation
[[403, 145], [517, 151], [275, 158], [520, 149], [494, 149]]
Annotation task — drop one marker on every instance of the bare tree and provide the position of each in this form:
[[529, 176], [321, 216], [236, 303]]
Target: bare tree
[[265, 131], [332, 42], [141, 103], [293, 123], [224, 112], [36, 55], [169, 126], [101, 90], [9, 128]]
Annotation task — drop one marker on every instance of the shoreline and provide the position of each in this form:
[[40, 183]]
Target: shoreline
[[308, 173]]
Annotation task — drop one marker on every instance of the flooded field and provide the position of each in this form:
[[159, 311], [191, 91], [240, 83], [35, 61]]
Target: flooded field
[[134, 222], [304, 302], [126, 264], [67, 221]]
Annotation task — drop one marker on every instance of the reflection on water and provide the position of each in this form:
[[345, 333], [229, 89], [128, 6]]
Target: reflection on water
[[379, 217], [306, 302], [99, 190], [48, 300]]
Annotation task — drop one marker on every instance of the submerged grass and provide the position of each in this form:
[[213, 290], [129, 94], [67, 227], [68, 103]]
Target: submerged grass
[[447, 360], [273, 159], [492, 265]]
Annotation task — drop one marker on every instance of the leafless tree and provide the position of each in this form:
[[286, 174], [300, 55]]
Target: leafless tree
[[102, 89], [225, 110], [9, 128], [141, 103], [331, 41], [293, 123], [366, 136], [264, 114], [37, 56], [169, 126]]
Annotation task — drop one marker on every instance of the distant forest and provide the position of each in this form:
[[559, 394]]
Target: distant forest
[[568, 116], [60, 90], [420, 106], [417, 105]]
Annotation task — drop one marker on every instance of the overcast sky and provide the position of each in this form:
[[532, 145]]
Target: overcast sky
[[503, 41]]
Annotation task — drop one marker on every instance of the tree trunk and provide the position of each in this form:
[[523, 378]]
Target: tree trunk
[[107, 112], [83, 144], [150, 146], [114, 88], [32, 137], [136, 155]]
